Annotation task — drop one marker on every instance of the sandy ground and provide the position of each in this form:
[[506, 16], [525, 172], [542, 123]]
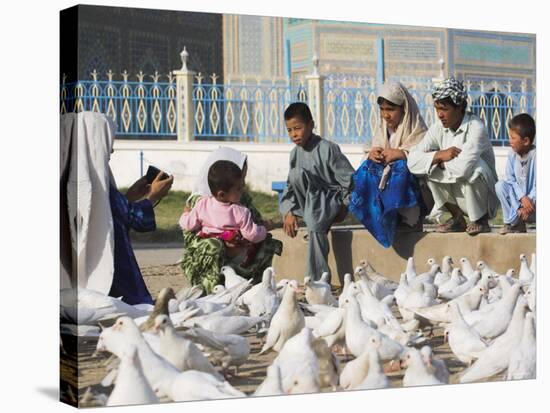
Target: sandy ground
[[92, 368]]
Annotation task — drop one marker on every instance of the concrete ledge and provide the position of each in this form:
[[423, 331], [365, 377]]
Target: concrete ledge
[[349, 246]]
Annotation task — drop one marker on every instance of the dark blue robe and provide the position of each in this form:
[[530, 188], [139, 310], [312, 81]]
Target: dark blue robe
[[139, 216]]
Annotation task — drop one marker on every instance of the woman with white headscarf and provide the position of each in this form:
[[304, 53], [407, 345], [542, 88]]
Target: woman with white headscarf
[[203, 257], [385, 193], [96, 217]]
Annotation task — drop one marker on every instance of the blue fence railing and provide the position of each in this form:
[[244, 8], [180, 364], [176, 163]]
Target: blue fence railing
[[140, 109], [254, 112], [351, 114]]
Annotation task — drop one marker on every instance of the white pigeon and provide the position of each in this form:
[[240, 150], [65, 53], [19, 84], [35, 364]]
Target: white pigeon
[[467, 268], [131, 385], [444, 275], [182, 353], [378, 284], [225, 311], [332, 328], [465, 342], [246, 298], [454, 281], [319, 292], [88, 307], [371, 308], [461, 289], [358, 333], [495, 358], [417, 374], [231, 277], [402, 290], [447, 265], [299, 364], [375, 276], [496, 322], [426, 277], [272, 384], [485, 268], [348, 281], [523, 360], [355, 371], [410, 270], [375, 378], [435, 366], [125, 332], [525, 274], [283, 284], [197, 385], [287, 321], [441, 313], [416, 298], [226, 296], [224, 322], [225, 349], [266, 301]]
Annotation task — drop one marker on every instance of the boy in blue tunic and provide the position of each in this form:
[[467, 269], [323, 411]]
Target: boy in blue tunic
[[517, 191]]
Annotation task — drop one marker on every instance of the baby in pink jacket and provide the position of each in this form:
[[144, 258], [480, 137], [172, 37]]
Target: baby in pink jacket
[[221, 216]]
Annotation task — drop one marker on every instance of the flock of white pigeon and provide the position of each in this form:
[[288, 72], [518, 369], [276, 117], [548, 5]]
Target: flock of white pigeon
[[185, 346]]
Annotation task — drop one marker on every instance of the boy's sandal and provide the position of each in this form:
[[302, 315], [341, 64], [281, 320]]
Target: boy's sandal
[[475, 228], [452, 225]]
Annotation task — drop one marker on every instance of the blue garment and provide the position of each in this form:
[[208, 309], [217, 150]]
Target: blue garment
[[376, 209], [519, 181], [127, 279]]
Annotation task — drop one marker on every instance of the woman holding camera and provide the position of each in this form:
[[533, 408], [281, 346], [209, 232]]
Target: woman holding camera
[[96, 252]]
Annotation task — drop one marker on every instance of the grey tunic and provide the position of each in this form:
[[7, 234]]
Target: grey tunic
[[467, 180], [319, 183]]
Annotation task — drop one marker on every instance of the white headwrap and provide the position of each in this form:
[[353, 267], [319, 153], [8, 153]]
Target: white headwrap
[[90, 136], [412, 128], [223, 153]]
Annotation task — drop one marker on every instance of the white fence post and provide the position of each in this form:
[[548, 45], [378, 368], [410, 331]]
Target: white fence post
[[184, 98], [315, 95]]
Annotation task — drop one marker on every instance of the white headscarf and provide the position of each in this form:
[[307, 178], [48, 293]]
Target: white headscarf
[[90, 136], [223, 153], [412, 127]]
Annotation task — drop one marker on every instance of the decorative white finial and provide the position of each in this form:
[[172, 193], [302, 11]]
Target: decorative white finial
[[155, 77], [125, 75], [315, 60], [184, 56], [140, 76], [110, 75], [94, 75]]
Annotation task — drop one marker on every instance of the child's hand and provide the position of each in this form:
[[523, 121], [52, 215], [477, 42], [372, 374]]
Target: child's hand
[[290, 225], [186, 209]]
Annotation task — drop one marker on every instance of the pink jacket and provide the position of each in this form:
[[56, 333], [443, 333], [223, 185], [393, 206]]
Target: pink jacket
[[214, 217]]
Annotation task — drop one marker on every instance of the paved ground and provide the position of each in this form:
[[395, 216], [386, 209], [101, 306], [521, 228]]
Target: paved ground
[[92, 368]]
